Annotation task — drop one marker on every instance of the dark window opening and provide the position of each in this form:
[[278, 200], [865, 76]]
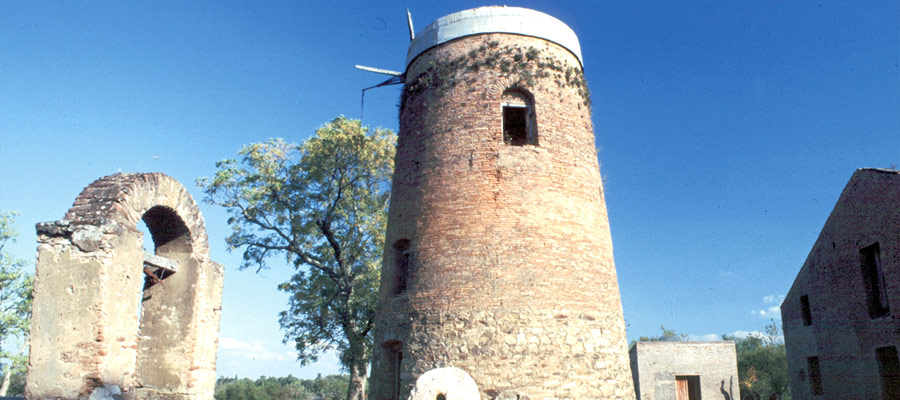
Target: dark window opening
[[393, 351], [515, 125], [873, 278], [889, 366], [401, 265], [687, 387], [164, 226], [804, 307], [815, 375], [519, 122]]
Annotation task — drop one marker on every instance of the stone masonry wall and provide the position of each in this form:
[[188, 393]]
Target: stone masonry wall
[[86, 331], [511, 273], [841, 333]]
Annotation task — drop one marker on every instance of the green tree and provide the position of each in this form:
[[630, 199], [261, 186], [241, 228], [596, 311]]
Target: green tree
[[762, 365], [323, 205], [328, 387], [15, 304], [284, 388], [243, 389], [668, 335]]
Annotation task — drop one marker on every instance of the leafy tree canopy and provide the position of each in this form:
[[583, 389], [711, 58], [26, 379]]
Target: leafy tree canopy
[[762, 365], [282, 388], [322, 205], [668, 335], [15, 304]]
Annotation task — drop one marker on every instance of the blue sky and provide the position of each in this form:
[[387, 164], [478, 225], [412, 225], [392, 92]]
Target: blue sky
[[726, 129]]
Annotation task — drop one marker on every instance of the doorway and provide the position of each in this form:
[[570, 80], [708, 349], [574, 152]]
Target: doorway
[[687, 387]]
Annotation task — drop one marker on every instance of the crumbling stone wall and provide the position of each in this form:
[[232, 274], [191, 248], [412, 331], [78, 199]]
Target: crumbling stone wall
[[656, 365], [510, 273], [99, 322], [839, 330]]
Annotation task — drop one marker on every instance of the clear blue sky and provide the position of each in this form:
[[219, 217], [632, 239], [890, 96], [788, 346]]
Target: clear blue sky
[[726, 129]]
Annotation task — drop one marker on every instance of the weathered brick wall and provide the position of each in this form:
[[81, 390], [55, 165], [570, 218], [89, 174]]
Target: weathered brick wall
[[85, 330], [655, 366], [511, 266], [842, 334]]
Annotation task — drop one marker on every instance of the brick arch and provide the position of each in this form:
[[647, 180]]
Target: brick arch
[[127, 198], [105, 317], [501, 85]]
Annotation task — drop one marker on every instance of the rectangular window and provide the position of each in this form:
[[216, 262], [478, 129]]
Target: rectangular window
[[804, 307], [815, 375], [873, 279], [889, 366], [402, 272], [515, 125], [401, 266], [687, 387]]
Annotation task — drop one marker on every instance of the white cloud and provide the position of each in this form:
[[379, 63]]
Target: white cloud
[[712, 337], [254, 350], [226, 343], [715, 337], [771, 312], [254, 358], [774, 298], [772, 309], [746, 334]]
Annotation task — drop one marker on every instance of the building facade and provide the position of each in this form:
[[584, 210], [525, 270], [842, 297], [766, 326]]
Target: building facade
[[685, 370], [498, 257], [841, 317]]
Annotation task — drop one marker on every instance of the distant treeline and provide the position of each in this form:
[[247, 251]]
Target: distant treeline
[[331, 387]]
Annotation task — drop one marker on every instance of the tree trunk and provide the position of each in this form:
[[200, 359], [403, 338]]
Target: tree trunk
[[6, 376], [357, 380], [8, 371]]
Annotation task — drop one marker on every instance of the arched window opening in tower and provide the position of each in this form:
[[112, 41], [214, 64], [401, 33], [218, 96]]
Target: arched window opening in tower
[[519, 122], [401, 265], [393, 356]]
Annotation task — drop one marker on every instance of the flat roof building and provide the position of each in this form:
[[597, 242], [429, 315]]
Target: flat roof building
[[685, 370]]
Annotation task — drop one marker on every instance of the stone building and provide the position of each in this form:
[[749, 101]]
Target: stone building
[[498, 258], [841, 317], [109, 319], [685, 370]]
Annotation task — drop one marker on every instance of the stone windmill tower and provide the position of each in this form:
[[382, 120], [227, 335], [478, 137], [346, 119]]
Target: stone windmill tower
[[498, 258]]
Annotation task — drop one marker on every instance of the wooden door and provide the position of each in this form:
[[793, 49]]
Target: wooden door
[[681, 389], [687, 387]]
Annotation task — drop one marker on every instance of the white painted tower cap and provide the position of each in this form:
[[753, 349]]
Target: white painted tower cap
[[494, 19]]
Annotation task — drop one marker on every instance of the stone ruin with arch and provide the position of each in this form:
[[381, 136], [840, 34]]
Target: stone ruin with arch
[[113, 321]]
